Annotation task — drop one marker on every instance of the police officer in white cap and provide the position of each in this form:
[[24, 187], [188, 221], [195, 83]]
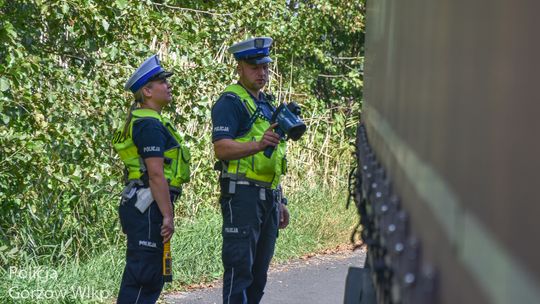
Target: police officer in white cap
[[156, 165], [251, 208]]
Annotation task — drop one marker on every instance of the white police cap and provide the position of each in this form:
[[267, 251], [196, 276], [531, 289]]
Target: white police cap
[[254, 50], [149, 70]]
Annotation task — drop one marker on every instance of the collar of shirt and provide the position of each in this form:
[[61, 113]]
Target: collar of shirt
[[261, 94], [266, 108]]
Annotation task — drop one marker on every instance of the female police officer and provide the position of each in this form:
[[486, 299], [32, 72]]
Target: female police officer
[[157, 164]]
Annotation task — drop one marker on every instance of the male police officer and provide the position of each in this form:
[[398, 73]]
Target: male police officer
[[157, 164], [249, 202]]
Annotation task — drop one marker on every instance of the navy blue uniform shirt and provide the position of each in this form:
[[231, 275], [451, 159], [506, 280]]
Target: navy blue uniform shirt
[[151, 138], [230, 117]]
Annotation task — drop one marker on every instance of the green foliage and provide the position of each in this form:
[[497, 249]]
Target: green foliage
[[63, 65]]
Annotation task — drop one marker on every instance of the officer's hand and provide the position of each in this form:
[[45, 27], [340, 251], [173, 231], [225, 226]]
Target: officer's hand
[[283, 216], [270, 138], [167, 228]]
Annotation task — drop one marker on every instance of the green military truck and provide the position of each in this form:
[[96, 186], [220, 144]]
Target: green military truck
[[448, 150]]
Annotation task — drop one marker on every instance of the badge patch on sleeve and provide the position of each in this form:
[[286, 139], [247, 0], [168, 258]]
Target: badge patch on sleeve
[[221, 129], [151, 149]]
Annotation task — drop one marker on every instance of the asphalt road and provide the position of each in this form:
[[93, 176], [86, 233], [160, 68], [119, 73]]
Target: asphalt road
[[316, 280]]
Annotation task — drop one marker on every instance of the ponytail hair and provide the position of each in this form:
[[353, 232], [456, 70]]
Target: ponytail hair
[[133, 106]]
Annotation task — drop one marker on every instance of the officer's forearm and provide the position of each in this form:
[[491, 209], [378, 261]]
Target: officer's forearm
[[160, 192], [228, 149]]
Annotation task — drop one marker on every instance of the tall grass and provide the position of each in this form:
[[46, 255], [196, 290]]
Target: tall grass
[[318, 221]]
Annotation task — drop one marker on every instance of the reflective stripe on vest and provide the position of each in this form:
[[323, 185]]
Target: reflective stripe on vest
[[257, 168], [177, 159]]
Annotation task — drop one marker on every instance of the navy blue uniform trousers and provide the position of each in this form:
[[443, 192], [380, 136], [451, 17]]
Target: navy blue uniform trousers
[[250, 228], [142, 280]]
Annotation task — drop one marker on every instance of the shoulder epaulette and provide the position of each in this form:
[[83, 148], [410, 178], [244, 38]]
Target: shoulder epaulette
[[229, 94]]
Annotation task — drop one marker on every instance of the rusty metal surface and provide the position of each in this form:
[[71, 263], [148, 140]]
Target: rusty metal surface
[[457, 82]]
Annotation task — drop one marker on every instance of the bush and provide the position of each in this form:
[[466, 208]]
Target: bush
[[62, 69]]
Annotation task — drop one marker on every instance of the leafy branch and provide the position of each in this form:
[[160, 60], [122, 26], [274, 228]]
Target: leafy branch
[[190, 9]]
